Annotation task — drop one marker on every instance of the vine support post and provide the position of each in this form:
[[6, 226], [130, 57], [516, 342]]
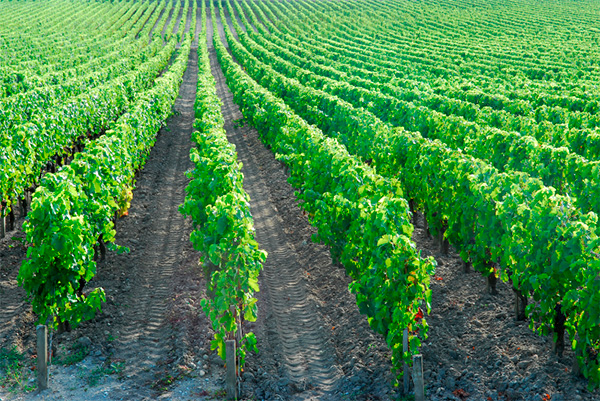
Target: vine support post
[[405, 370], [231, 378], [42, 356], [418, 378], [466, 266]]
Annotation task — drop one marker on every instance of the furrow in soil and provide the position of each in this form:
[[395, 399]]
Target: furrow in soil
[[145, 338]]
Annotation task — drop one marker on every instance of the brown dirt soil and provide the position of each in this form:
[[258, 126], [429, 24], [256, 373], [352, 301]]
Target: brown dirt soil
[[476, 345], [15, 314]]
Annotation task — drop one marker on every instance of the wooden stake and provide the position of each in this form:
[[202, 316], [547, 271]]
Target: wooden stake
[[405, 349], [42, 357], [231, 379], [418, 378], [466, 266]]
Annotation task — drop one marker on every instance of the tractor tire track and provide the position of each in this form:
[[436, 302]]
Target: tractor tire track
[[146, 341]]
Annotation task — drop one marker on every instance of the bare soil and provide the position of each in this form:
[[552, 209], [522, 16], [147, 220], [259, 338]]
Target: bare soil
[[168, 21], [477, 347]]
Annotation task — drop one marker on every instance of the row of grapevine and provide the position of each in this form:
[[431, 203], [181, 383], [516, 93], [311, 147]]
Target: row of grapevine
[[220, 212], [555, 118], [103, 31], [170, 29], [44, 126], [373, 58], [20, 107], [68, 58], [562, 93], [361, 215], [73, 210], [580, 137], [61, 131], [440, 57], [486, 214], [52, 88], [570, 174]]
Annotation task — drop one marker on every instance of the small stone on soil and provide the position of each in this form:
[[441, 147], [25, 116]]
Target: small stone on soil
[[84, 341]]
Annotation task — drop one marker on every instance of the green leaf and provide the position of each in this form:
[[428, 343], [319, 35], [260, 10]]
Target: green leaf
[[58, 242]]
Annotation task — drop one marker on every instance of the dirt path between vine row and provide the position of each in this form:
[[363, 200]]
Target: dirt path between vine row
[[158, 236], [168, 21], [198, 23], [15, 315], [178, 20], [312, 339], [155, 25], [298, 332]]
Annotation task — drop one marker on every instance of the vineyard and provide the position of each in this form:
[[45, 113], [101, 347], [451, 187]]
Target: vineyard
[[300, 199]]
